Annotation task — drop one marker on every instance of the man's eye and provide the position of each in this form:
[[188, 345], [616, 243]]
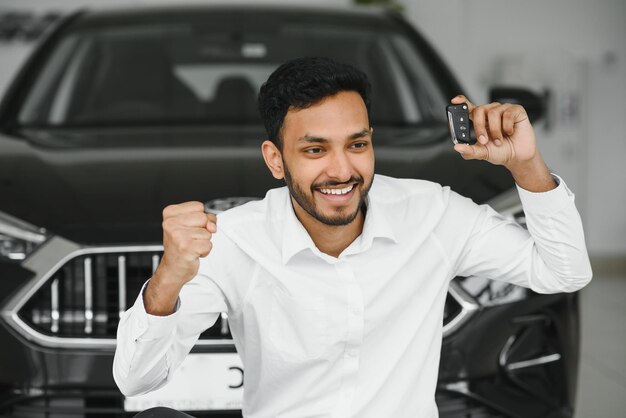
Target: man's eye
[[313, 150], [359, 145]]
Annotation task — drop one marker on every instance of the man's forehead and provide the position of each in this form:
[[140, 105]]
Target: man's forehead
[[341, 116]]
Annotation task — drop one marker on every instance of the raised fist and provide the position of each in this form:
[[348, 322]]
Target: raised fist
[[187, 232]]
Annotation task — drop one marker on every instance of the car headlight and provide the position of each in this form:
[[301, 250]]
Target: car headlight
[[18, 238]]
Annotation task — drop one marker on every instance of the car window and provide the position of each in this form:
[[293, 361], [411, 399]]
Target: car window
[[194, 73]]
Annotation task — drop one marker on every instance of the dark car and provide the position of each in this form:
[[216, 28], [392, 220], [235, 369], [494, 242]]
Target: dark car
[[119, 113]]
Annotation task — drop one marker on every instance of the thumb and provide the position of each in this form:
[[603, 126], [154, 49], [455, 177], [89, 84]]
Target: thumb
[[472, 152]]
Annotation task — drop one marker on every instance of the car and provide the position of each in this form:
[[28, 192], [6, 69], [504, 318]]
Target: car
[[120, 112]]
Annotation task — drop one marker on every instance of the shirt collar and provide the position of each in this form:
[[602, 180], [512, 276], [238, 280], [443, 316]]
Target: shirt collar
[[296, 238], [376, 223]]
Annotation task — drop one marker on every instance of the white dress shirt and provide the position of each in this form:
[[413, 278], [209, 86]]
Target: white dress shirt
[[358, 335]]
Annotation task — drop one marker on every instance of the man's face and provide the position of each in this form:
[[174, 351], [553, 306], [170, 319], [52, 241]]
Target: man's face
[[328, 159]]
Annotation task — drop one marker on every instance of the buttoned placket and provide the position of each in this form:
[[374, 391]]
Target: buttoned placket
[[354, 338]]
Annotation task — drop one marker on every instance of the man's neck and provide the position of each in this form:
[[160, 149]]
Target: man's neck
[[330, 239]]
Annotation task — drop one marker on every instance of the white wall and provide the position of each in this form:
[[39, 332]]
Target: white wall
[[575, 47]]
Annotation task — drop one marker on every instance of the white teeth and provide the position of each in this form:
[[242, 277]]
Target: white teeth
[[338, 191]]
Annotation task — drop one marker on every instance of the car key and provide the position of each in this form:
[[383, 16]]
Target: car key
[[460, 127]]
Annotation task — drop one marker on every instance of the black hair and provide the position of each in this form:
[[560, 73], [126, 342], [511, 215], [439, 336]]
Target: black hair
[[303, 82]]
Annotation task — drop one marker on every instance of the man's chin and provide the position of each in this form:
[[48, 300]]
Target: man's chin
[[337, 211], [338, 217]]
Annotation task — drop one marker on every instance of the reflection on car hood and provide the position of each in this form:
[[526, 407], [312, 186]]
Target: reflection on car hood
[[110, 185]]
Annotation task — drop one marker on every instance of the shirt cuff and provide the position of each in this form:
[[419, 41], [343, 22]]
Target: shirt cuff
[[151, 327], [549, 202]]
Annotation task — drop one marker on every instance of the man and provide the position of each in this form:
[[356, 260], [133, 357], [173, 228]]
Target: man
[[335, 285]]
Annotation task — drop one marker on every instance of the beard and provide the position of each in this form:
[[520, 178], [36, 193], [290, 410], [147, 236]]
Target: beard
[[307, 200]]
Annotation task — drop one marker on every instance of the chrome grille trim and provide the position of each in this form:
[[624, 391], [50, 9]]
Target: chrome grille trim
[[224, 324], [121, 287], [155, 262], [48, 259], [54, 305], [88, 296]]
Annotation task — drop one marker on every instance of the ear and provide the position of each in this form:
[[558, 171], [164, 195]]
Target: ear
[[273, 159]]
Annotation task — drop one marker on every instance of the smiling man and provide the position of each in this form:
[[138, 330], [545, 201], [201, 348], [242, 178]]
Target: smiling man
[[335, 285]]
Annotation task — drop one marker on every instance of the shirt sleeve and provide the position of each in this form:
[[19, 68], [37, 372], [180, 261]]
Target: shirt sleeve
[[149, 348], [550, 256]]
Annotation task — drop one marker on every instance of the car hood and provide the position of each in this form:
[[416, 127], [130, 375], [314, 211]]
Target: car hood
[[97, 186]]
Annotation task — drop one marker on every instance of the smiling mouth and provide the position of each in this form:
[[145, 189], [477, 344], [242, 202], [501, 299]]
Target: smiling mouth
[[342, 191]]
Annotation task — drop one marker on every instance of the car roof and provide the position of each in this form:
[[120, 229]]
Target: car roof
[[107, 15]]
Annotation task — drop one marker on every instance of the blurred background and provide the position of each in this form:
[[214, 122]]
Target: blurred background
[[572, 53]]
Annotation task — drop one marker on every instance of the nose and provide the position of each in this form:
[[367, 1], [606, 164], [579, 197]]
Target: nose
[[339, 167]]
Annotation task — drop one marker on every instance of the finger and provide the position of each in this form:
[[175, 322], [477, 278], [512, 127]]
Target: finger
[[472, 152], [512, 115], [192, 250], [181, 236], [479, 118], [200, 234], [201, 248], [494, 120], [193, 219], [182, 208], [462, 99], [211, 223]]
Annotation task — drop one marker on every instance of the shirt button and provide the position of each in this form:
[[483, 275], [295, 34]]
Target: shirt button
[[352, 352], [355, 310]]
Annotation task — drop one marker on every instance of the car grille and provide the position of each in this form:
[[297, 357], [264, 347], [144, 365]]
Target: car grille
[[84, 296]]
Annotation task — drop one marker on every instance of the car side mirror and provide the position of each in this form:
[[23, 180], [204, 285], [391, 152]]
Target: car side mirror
[[534, 104]]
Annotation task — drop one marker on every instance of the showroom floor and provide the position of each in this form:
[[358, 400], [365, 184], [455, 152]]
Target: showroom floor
[[602, 379]]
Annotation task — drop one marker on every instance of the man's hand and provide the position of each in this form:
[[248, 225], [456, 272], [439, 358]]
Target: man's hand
[[506, 137], [504, 133], [187, 232]]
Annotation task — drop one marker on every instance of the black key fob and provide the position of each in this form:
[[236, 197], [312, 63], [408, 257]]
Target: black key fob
[[460, 128]]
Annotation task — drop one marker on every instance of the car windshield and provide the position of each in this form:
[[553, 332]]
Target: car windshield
[[194, 72]]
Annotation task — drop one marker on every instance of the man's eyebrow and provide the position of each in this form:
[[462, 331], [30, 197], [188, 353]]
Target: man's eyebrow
[[320, 140], [313, 139], [362, 134]]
